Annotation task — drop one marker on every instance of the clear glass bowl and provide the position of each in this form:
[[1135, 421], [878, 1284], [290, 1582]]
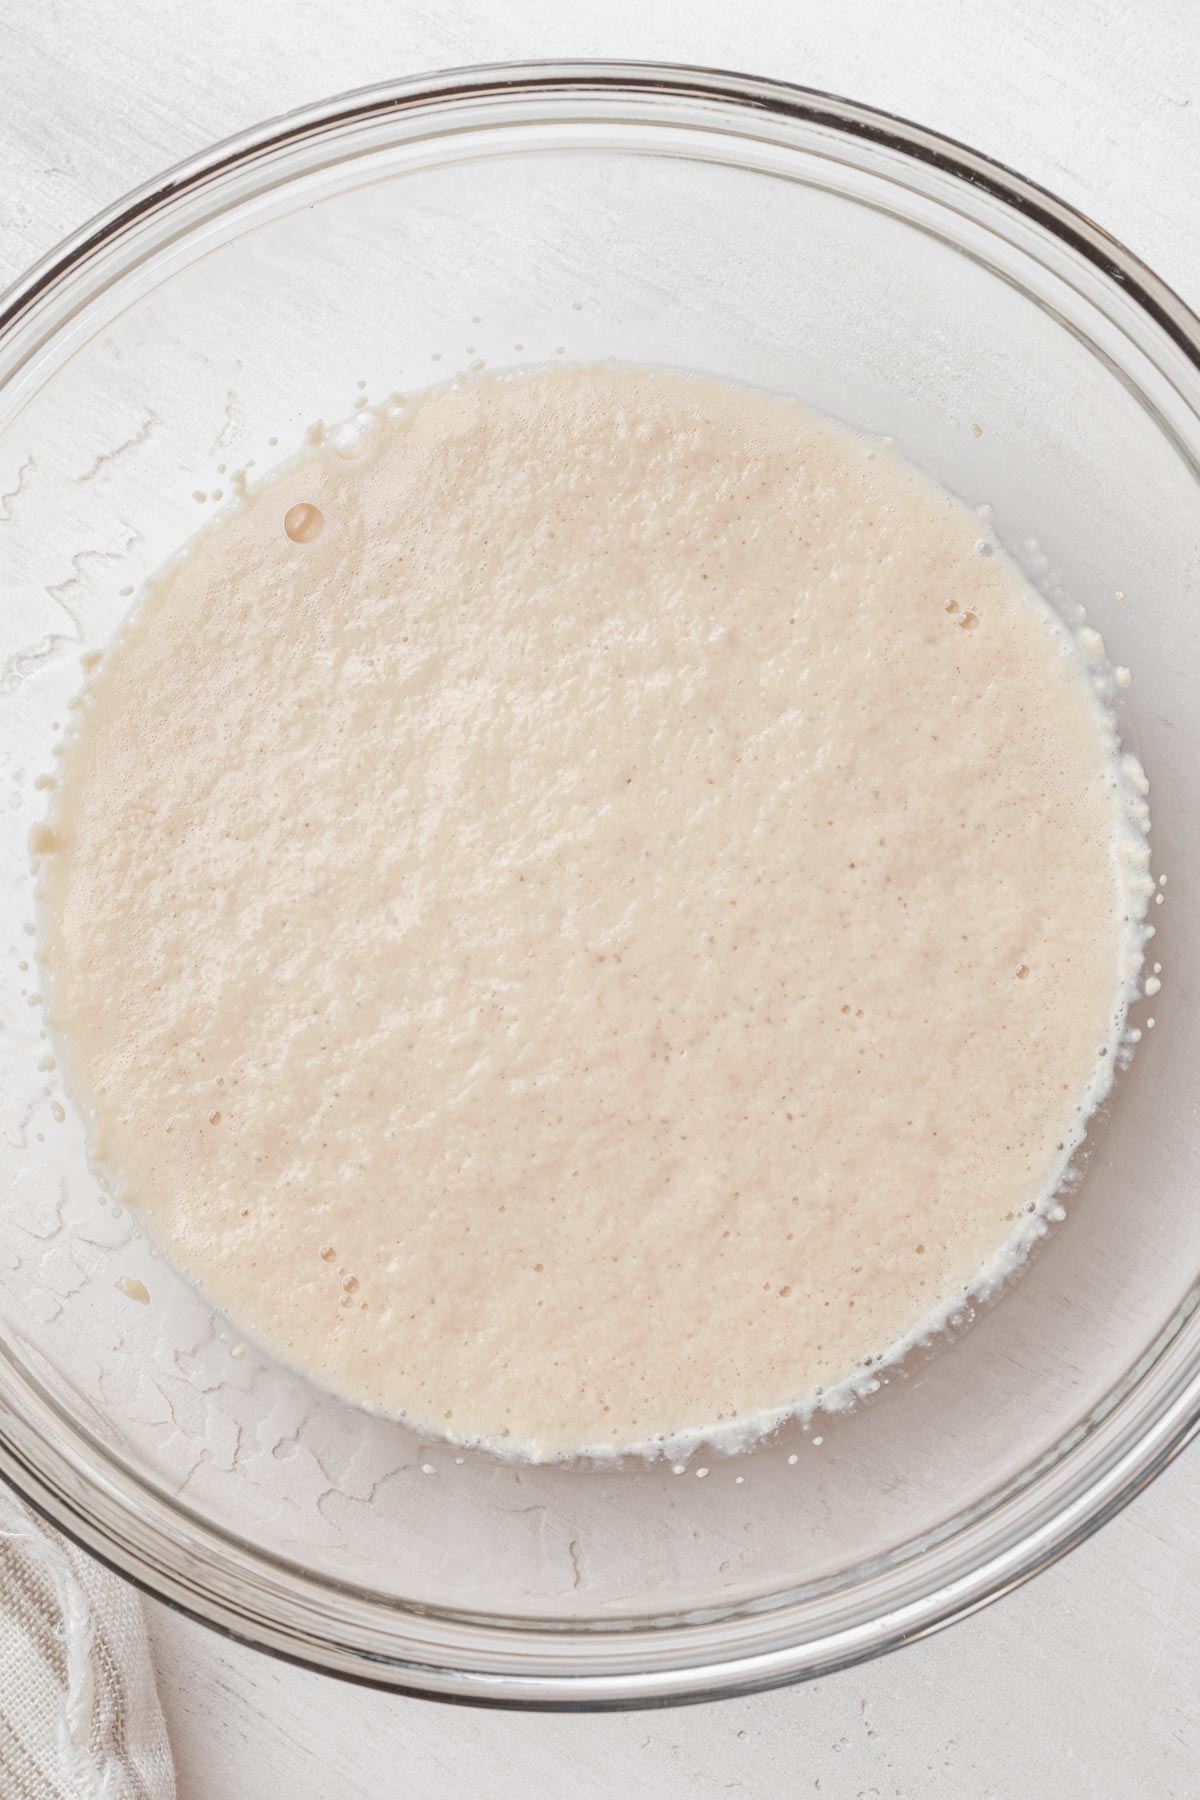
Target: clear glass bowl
[[776, 236]]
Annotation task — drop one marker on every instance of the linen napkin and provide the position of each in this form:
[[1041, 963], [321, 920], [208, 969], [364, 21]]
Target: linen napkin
[[79, 1714]]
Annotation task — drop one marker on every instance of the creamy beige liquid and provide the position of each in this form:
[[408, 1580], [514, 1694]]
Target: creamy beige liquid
[[603, 925]]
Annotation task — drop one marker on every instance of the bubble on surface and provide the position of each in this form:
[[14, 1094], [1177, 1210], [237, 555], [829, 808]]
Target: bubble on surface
[[303, 523], [351, 439]]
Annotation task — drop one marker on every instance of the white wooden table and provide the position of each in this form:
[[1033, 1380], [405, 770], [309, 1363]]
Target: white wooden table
[[1086, 1685]]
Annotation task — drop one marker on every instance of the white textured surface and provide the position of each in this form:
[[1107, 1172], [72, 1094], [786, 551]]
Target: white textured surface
[[1084, 1685]]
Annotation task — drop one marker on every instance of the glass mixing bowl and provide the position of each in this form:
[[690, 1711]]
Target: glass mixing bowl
[[783, 238]]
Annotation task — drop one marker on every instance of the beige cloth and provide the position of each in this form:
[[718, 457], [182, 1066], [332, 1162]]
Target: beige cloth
[[79, 1714]]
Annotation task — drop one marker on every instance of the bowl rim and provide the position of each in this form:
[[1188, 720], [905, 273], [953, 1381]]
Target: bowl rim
[[1125, 1460]]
